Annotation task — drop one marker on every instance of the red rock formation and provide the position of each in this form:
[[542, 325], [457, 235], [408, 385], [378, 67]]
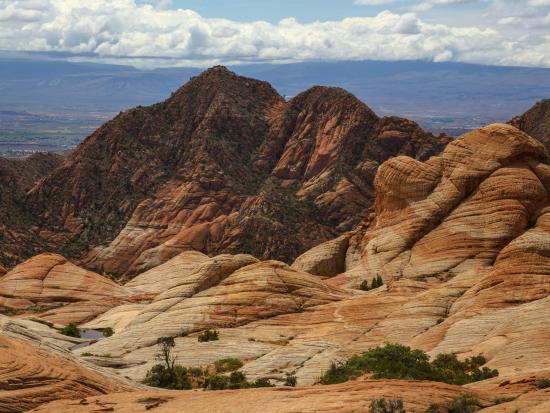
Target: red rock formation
[[224, 165]]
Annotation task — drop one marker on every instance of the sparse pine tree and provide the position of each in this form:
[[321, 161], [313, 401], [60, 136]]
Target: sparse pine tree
[[379, 281], [374, 283], [364, 285]]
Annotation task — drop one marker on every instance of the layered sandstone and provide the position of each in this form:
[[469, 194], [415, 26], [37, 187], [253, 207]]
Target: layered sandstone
[[59, 290], [344, 398], [31, 376]]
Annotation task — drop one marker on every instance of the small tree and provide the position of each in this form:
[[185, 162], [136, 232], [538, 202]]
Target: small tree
[[374, 283], [389, 406], [364, 285], [164, 353], [379, 281]]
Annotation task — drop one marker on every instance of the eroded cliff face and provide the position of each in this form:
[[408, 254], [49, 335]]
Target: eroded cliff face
[[536, 122], [224, 165]]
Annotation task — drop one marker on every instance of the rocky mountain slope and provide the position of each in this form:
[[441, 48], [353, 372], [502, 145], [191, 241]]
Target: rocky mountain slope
[[536, 122], [224, 165], [461, 242], [17, 176]]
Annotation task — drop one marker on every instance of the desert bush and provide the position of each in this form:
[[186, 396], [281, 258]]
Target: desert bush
[[176, 378], [108, 332], [291, 380], [228, 364], [387, 406], [394, 361], [364, 285], [209, 335], [262, 382], [543, 384], [71, 330], [467, 403]]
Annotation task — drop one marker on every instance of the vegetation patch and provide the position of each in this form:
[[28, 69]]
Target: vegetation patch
[[209, 335], [387, 406], [467, 403], [543, 384], [71, 330], [227, 365], [394, 361], [169, 375], [108, 332]]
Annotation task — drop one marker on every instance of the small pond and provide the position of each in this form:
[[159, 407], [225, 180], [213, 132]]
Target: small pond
[[89, 335]]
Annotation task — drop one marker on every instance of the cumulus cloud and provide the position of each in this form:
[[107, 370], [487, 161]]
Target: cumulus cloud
[[151, 34]]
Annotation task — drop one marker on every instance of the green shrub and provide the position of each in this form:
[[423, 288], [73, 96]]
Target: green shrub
[[291, 380], [228, 364], [237, 380], [364, 285], [543, 384], [377, 282], [262, 382], [216, 382], [209, 335], [467, 403], [390, 406], [108, 332], [173, 379], [394, 361], [71, 330]]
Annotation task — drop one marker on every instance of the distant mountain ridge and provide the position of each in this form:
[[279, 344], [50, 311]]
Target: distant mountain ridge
[[442, 96], [224, 165]]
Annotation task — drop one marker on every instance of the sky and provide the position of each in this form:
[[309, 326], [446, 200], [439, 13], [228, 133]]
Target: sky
[[200, 33]]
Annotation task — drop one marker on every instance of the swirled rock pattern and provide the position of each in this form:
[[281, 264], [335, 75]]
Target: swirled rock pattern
[[59, 290], [31, 376]]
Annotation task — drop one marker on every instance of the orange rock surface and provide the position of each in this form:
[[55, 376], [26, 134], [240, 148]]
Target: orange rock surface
[[61, 291], [31, 376], [344, 398]]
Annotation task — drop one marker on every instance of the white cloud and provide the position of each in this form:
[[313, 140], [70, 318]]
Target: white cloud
[[372, 2], [151, 34], [428, 4]]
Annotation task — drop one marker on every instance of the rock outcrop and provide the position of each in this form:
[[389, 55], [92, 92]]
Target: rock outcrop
[[58, 290], [225, 291], [536, 122], [460, 241], [225, 165], [31, 376]]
